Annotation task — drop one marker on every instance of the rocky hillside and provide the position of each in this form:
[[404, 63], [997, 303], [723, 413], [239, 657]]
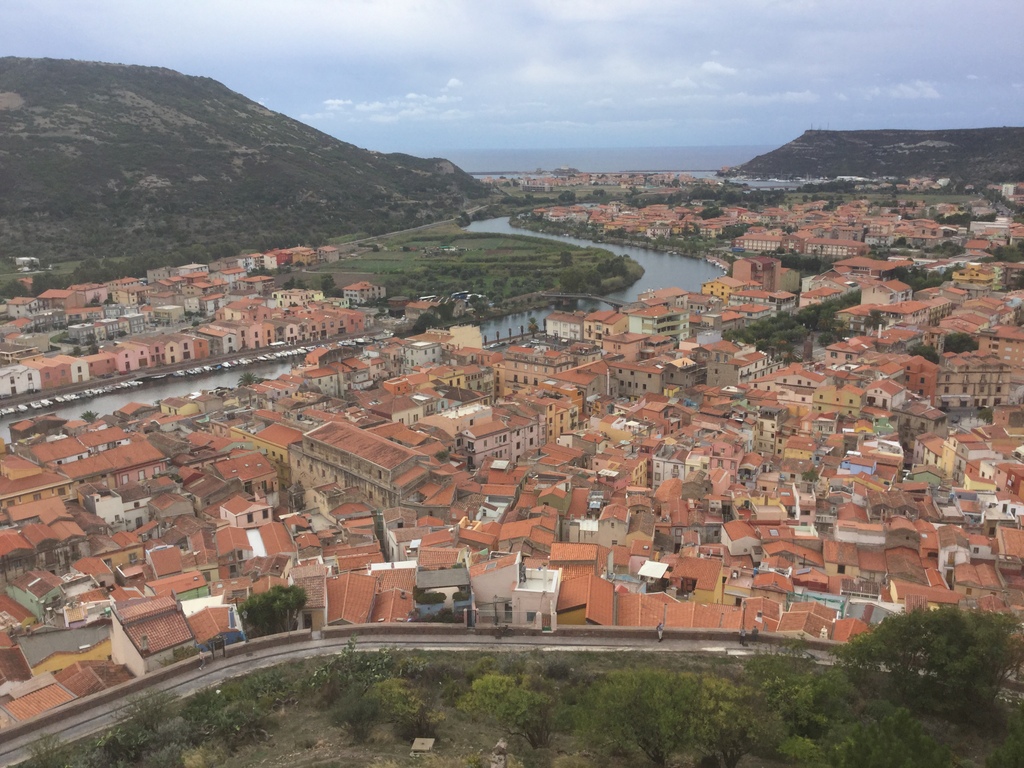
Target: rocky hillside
[[99, 159], [976, 155]]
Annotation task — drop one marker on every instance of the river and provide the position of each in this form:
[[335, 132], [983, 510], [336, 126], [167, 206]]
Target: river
[[661, 270], [172, 386]]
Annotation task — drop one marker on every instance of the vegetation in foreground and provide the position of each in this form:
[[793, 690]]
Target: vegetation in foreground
[[937, 705]]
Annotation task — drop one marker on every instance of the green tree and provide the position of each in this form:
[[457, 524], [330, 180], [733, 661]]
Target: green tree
[[275, 610], [927, 351], [1010, 754], [948, 661], [515, 703], [90, 416], [646, 709], [328, 286], [532, 326], [809, 701], [731, 721], [959, 342], [412, 715], [896, 741], [247, 379]]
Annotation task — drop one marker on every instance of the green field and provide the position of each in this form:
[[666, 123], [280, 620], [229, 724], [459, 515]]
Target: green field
[[445, 259]]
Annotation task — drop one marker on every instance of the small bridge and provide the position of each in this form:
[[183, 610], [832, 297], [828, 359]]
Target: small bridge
[[555, 295]]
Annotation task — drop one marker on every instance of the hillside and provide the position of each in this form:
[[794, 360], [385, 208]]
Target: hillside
[[975, 155], [99, 159]]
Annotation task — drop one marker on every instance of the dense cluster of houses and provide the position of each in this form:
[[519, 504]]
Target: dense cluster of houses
[[121, 321], [627, 467]]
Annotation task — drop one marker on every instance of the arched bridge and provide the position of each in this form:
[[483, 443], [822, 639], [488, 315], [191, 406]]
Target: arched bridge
[[556, 295]]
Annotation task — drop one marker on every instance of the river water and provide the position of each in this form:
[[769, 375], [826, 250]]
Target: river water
[[172, 386], [661, 270]]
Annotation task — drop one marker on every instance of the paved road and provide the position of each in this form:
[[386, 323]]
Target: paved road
[[104, 716]]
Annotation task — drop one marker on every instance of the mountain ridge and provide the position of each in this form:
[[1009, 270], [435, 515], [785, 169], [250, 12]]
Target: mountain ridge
[[97, 157], [963, 154]]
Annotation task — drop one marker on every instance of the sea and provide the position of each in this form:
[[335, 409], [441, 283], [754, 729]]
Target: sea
[[482, 162]]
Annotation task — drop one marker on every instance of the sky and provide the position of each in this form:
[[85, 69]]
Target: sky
[[423, 76]]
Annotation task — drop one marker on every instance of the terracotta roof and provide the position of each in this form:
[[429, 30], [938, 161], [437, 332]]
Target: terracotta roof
[[158, 619], [350, 598], [393, 605], [87, 677], [39, 701], [210, 622]]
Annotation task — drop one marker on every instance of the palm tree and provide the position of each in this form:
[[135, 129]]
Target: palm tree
[[90, 416], [532, 326], [247, 379]]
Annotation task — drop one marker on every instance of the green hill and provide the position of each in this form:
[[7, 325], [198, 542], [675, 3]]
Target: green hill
[[105, 159], [973, 155]]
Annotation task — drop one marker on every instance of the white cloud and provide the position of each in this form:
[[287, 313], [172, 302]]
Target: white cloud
[[972, 77], [453, 83], [918, 89], [682, 82], [714, 68], [412, 106]]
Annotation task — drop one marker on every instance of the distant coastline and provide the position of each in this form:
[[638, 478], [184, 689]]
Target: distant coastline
[[601, 159]]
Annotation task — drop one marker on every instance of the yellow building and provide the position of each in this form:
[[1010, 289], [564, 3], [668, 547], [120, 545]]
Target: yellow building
[[980, 275], [273, 443], [59, 660], [179, 406], [22, 482], [845, 400], [724, 287], [701, 578]]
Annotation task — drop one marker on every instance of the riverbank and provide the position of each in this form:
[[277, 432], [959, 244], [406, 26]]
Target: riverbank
[[541, 227]]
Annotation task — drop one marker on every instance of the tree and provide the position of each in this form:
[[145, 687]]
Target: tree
[[1010, 754], [90, 416], [896, 741], [532, 326], [959, 342], [247, 379], [646, 709], [809, 701], [730, 721], [948, 661], [927, 351], [275, 610], [327, 285], [515, 704]]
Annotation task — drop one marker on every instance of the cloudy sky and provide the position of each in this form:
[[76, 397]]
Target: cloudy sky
[[423, 76]]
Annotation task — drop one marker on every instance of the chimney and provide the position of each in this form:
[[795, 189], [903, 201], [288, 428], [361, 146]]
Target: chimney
[[144, 643]]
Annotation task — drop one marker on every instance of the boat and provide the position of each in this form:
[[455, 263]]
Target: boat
[[22, 408]]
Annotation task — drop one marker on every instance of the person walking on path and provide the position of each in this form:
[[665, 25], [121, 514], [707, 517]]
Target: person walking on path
[[743, 636], [661, 632], [753, 636], [202, 658]]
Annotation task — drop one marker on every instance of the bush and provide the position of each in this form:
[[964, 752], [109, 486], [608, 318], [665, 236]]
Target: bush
[[358, 712], [428, 598], [412, 716]]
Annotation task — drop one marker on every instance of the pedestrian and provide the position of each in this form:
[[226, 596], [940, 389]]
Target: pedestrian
[[202, 658], [661, 631], [753, 635], [743, 637]]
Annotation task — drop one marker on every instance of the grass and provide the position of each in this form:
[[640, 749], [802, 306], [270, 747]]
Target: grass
[[498, 266]]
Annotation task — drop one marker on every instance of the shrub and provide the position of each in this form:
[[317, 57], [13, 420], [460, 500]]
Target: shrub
[[358, 712]]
